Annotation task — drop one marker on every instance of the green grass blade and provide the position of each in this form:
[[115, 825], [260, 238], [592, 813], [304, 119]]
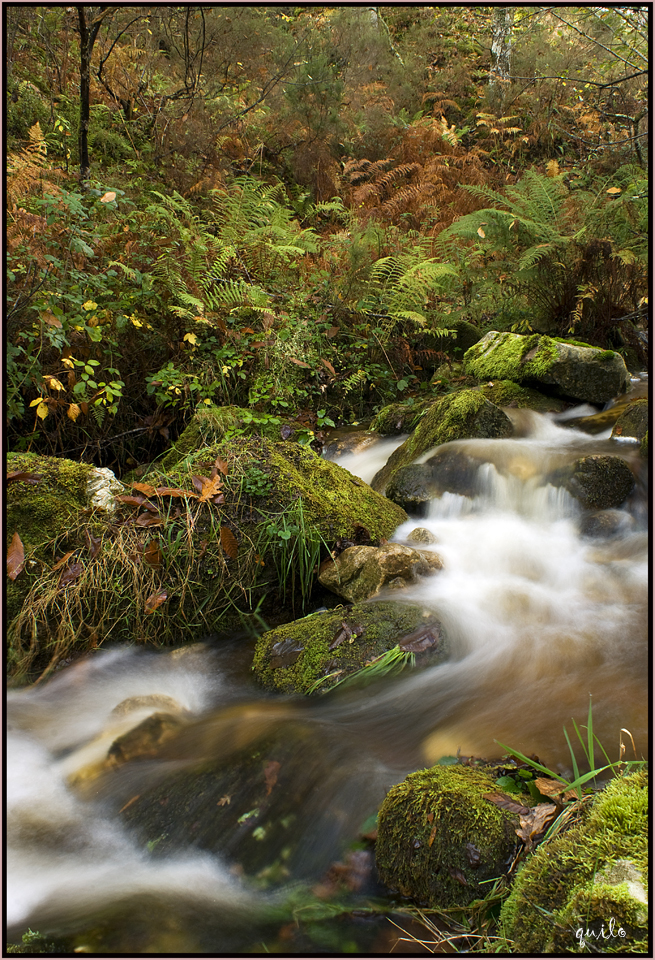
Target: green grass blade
[[574, 762], [531, 763]]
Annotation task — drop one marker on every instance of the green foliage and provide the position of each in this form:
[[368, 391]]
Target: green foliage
[[295, 546]]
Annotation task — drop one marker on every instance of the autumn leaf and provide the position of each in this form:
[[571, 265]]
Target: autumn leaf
[[71, 573], [50, 319], [328, 366], [60, 563], [174, 492], [108, 197], [535, 821], [210, 488], [199, 482], [506, 803], [553, 788], [299, 363], [220, 464], [155, 600], [614, 191], [93, 544], [24, 476], [145, 488], [41, 407], [149, 520], [191, 338], [133, 501], [15, 557], [53, 383], [481, 233], [152, 554], [229, 543], [332, 332], [73, 412]]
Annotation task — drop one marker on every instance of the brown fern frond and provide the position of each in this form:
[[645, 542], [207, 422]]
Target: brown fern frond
[[25, 169]]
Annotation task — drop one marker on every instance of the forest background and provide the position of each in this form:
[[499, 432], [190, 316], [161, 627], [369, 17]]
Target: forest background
[[299, 209]]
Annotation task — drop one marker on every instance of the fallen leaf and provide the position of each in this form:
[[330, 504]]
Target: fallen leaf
[[155, 600], [73, 412], [15, 557], [457, 874], [93, 544], [614, 191], [433, 834], [145, 488], [420, 640], [71, 573], [63, 560], [210, 488], [553, 788], [535, 821], [506, 803], [199, 482], [328, 366], [299, 363], [220, 464], [224, 801], [229, 543], [108, 197], [175, 492], [133, 501], [24, 476], [332, 332], [271, 771], [152, 554], [148, 520]]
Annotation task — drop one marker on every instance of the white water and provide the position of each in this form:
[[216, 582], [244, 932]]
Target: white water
[[537, 619]]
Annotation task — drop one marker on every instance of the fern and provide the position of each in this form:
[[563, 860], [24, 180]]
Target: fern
[[25, 169]]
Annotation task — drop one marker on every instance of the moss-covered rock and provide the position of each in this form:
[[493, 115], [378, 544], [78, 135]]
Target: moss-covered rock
[[506, 393], [412, 489], [455, 417], [633, 421], [398, 418], [594, 872], [439, 839], [597, 482], [581, 372], [643, 447], [334, 644]]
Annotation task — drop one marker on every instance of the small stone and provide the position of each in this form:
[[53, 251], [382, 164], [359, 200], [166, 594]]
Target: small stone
[[421, 535]]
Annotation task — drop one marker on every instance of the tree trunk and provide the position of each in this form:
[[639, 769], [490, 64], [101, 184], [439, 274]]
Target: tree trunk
[[501, 47], [88, 33]]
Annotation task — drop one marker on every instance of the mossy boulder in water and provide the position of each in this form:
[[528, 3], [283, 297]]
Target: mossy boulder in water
[[398, 418], [458, 416], [594, 872], [633, 421], [506, 393], [581, 372], [331, 645], [439, 839], [597, 482], [361, 572]]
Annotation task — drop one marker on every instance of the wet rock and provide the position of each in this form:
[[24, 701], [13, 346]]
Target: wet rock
[[584, 877], [454, 471], [350, 442], [458, 416], [398, 418], [577, 371], [598, 482], [102, 487], [507, 394], [412, 488], [605, 524], [421, 535], [361, 572], [145, 739], [334, 644], [438, 838], [633, 421]]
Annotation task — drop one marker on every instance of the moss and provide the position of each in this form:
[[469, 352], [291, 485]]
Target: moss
[[633, 420], [438, 838], [643, 448], [44, 515], [293, 657], [563, 884], [506, 393], [509, 356], [398, 418], [455, 417]]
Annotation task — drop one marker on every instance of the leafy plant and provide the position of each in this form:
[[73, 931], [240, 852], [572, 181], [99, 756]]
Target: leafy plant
[[295, 549]]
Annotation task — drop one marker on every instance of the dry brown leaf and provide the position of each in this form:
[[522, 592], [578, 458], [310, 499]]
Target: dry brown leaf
[[332, 332], [220, 464], [199, 482], [60, 563], [299, 363], [506, 803], [152, 554], [229, 543], [155, 600], [223, 801], [328, 366], [535, 821], [71, 573], [145, 488], [433, 834], [149, 520], [73, 411], [24, 476], [15, 557], [175, 492], [131, 501], [210, 488], [553, 788], [93, 544]]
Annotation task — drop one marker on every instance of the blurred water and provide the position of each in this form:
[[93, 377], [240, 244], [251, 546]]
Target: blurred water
[[538, 618]]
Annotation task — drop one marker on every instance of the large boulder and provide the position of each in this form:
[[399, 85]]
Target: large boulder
[[448, 471], [632, 422], [398, 418], [591, 874], [458, 416], [580, 372], [439, 839], [361, 572], [312, 654], [597, 482]]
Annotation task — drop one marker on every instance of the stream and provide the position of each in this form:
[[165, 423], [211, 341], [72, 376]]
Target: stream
[[538, 617]]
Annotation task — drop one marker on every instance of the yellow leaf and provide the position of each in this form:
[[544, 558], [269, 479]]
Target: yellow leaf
[[137, 323], [109, 196], [68, 362], [73, 412], [42, 410], [614, 190], [53, 383], [481, 232], [89, 305], [192, 338]]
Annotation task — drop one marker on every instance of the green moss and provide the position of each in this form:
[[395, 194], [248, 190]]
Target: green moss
[[643, 448], [433, 827], [509, 356], [399, 417], [293, 657], [506, 393], [455, 417], [559, 888]]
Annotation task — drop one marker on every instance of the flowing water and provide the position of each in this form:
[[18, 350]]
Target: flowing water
[[538, 618]]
